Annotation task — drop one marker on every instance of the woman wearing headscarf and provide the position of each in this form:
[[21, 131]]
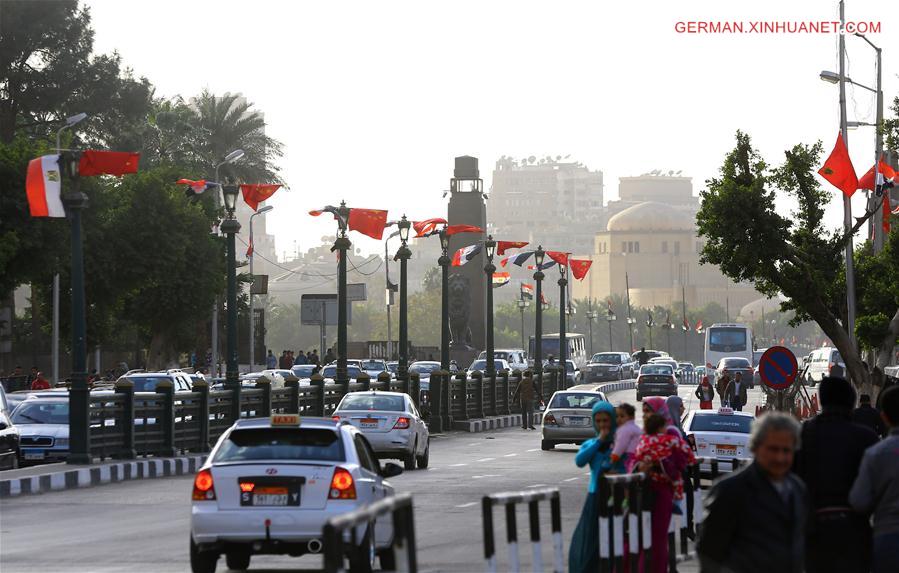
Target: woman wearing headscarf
[[663, 492], [583, 555], [705, 393], [676, 409]]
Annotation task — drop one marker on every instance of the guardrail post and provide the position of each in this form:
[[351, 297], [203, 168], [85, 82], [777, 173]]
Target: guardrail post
[[266, 408], [605, 529], [478, 379], [201, 387], [447, 404], [406, 383], [364, 380], [235, 402], [438, 406], [463, 395], [415, 382], [293, 405], [126, 389], [489, 545], [319, 398], [512, 538], [384, 381], [504, 388], [491, 390], [167, 420]]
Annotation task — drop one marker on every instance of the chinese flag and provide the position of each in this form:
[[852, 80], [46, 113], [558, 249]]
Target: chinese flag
[[838, 169], [255, 193], [455, 229], [579, 267], [558, 256], [867, 180], [503, 246], [370, 222], [116, 163]]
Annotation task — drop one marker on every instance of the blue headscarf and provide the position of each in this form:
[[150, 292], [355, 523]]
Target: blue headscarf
[[598, 452]]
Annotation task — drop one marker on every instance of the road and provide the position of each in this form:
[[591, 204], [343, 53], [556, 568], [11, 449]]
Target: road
[[144, 525]]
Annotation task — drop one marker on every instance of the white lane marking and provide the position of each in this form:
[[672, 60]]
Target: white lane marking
[[469, 504], [536, 485], [586, 473], [474, 444], [510, 455], [486, 459], [534, 450], [572, 479], [486, 476], [457, 465]]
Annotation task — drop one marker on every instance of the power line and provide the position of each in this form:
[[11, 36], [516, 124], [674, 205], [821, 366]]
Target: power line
[[318, 274]]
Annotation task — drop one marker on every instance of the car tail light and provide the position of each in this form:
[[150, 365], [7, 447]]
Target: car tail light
[[639, 380], [247, 486], [342, 485], [335, 417], [204, 489], [402, 423], [550, 420]]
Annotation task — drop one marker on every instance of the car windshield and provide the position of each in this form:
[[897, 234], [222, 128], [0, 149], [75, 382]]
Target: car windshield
[[660, 369], [482, 364], [424, 368], [685, 365], [392, 366], [281, 444], [373, 365], [303, 370], [373, 402], [572, 400], [41, 412], [606, 358], [736, 363], [331, 371], [727, 339], [721, 423], [146, 383], [836, 357]]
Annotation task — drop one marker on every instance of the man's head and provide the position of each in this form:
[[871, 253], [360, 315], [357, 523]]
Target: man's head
[[642, 349], [864, 400], [34, 370], [889, 406], [773, 441], [738, 376], [836, 394]]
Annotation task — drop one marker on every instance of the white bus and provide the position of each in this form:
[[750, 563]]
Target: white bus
[[726, 340], [577, 348]]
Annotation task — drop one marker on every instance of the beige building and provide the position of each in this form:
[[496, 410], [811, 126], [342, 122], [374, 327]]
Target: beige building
[[656, 246]]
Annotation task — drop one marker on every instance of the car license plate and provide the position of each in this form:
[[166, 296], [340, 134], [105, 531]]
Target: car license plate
[[33, 455], [368, 423], [725, 450], [575, 420], [270, 499]]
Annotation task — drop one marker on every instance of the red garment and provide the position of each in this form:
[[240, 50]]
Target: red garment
[[655, 448], [40, 384], [705, 405]]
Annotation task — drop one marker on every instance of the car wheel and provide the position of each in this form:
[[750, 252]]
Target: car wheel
[[362, 558], [387, 559], [546, 445], [423, 460], [238, 560], [409, 459], [202, 561]]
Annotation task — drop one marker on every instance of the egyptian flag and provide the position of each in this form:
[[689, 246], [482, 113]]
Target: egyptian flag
[[558, 256], [456, 229], [369, 222], [465, 254], [699, 326], [500, 279], [250, 250], [579, 267], [668, 321], [838, 169], [116, 163], [886, 178], [195, 188], [503, 246], [886, 213], [42, 186], [518, 259], [609, 305], [543, 267], [686, 325], [427, 227], [527, 291], [649, 322], [255, 193]]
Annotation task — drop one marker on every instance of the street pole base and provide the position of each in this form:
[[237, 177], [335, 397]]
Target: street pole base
[[79, 459]]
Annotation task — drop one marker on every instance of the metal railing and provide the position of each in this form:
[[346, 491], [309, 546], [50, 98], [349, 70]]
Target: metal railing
[[509, 501], [338, 528]]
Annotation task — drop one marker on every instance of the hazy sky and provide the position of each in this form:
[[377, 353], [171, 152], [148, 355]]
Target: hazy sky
[[374, 99]]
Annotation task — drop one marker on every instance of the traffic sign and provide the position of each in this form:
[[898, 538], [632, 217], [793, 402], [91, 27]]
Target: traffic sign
[[778, 368]]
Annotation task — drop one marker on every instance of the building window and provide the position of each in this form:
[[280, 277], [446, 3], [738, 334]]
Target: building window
[[636, 246], [623, 247], [676, 247], [664, 246]]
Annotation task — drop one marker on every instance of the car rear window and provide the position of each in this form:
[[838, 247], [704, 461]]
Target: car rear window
[[373, 402], [585, 400], [281, 444], [38, 411], [658, 369], [721, 423], [736, 363], [146, 383]]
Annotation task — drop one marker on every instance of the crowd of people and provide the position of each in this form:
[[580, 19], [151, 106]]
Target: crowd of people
[[821, 496], [288, 359]]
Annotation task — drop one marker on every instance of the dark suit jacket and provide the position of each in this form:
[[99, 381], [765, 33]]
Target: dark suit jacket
[[731, 391], [748, 528]]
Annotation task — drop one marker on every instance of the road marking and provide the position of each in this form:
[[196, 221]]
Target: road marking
[[510, 455], [572, 479], [464, 505], [587, 473], [486, 476], [474, 444], [457, 465], [534, 450], [486, 459], [537, 485]]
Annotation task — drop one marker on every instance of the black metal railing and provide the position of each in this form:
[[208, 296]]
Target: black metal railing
[[509, 501]]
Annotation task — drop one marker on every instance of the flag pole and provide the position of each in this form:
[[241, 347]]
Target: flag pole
[[847, 202]]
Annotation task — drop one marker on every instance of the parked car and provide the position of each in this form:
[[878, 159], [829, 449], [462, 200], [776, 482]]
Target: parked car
[[147, 381], [303, 371], [822, 362], [516, 357], [722, 434], [568, 418], [733, 364], [329, 372], [373, 367], [43, 426], [650, 354], [656, 380], [666, 360], [9, 442], [609, 366], [392, 424], [686, 373]]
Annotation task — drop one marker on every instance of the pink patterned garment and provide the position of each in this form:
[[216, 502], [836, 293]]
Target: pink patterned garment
[[655, 448]]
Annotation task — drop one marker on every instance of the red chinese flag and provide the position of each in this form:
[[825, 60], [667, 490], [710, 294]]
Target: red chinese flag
[[255, 193], [428, 226], [867, 180], [370, 222], [116, 163], [503, 246], [456, 229], [558, 256], [838, 169], [579, 267]]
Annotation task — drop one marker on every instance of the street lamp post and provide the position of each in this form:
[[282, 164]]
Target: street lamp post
[[631, 321], [539, 254], [342, 246], [611, 318], [489, 269], [563, 328], [252, 252], [591, 316], [403, 254], [522, 305], [444, 262], [230, 226]]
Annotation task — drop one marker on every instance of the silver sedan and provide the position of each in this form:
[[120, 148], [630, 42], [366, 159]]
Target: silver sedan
[[568, 419], [392, 424]]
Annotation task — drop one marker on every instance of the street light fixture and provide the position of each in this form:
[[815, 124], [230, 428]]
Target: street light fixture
[[229, 195], [403, 255], [591, 316], [610, 317], [252, 253], [539, 254], [563, 307], [489, 269], [444, 262]]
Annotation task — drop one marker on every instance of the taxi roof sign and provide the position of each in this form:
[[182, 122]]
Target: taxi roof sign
[[726, 410], [285, 419]]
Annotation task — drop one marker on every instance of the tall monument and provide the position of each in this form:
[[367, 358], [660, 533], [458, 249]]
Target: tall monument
[[468, 284]]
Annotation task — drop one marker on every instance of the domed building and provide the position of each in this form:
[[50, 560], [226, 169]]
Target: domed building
[[656, 247]]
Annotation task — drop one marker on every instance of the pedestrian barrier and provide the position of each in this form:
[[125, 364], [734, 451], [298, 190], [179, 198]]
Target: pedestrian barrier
[[509, 500], [624, 522], [346, 525]]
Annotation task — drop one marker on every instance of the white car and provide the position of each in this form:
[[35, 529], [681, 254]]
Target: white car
[[722, 434], [270, 485], [481, 366], [666, 360], [373, 367], [43, 425], [392, 424]]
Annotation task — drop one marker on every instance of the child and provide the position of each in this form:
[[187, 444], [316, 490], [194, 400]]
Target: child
[[627, 437]]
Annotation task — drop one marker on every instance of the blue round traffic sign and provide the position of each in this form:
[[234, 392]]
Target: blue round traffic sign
[[778, 368]]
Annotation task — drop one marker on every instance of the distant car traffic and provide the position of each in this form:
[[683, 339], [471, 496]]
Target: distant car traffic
[[43, 427], [686, 372], [329, 372], [392, 424], [609, 366], [568, 418], [656, 379], [821, 362], [730, 366], [303, 371], [270, 485], [516, 357], [481, 366], [392, 366], [147, 381], [722, 434], [424, 369], [666, 360], [572, 373], [373, 367]]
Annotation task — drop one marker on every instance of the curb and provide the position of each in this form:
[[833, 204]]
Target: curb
[[492, 423], [101, 474]]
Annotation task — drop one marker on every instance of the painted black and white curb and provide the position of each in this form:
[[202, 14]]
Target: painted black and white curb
[[101, 474]]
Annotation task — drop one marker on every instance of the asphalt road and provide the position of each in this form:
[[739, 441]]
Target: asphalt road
[[144, 525]]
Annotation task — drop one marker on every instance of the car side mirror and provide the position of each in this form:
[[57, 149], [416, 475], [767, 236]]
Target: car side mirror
[[3, 426], [390, 470]]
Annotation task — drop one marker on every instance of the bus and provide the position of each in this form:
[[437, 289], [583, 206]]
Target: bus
[[577, 348], [726, 340]]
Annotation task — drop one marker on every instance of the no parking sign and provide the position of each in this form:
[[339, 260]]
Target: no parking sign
[[778, 368]]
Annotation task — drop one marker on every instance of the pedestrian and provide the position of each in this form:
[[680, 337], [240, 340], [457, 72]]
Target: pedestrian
[[721, 387], [869, 416], [526, 393], [735, 392], [271, 361], [34, 374], [330, 356], [676, 409], [837, 370], [876, 489], [39, 382], [627, 436], [583, 554], [316, 359], [705, 394], [838, 539], [642, 357], [300, 359], [755, 517]]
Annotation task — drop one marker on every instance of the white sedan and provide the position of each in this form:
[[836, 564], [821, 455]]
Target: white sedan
[[392, 424], [721, 434], [270, 485]]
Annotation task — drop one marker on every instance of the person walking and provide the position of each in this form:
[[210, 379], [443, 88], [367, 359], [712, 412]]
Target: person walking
[[721, 387], [525, 392], [316, 359], [838, 539], [282, 361], [735, 392], [642, 357], [39, 382], [755, 517], [300, 359], [869, 416], [705, 393], [329, 356], [583, 553], [876, 489], [676, 409]]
